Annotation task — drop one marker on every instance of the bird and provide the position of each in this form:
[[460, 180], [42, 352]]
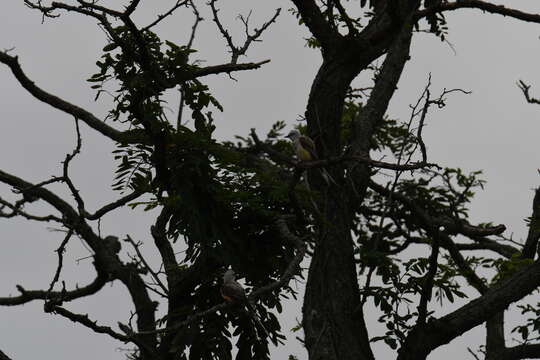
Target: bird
[[305, 150], [233, 292], [304, 147]]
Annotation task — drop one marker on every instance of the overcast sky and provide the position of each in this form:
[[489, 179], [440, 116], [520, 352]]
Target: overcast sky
[[492, 129]]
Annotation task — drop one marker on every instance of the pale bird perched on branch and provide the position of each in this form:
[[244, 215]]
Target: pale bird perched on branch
[[233, 292], [304, 147], [305, 150]]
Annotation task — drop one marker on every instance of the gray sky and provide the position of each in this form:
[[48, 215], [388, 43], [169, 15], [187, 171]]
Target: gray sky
[[492, 129]]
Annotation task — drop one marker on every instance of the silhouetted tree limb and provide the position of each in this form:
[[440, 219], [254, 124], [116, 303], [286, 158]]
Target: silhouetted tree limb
[[58, 103], [62, 296], [4, 356], [480, 5]]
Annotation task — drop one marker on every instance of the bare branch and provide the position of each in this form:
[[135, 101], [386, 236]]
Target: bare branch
[[236, 51], [525, 89], [146, 265], [58, 103], [4, 356], [166, 14], [84, 320], [226, 68], [17, 211], [62, 296], [60, 252], [256, 34], [66, 178], [91, 5], [368, 161], [114, 205], [48, 196], [480, 5]]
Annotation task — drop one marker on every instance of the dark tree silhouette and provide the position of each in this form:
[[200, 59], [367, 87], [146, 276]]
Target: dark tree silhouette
[[252, 206]]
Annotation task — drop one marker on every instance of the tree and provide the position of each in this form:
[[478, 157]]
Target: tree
[[243, 204]]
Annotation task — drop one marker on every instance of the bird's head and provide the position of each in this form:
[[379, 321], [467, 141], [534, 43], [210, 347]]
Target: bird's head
[[294, 134], [229, 275]]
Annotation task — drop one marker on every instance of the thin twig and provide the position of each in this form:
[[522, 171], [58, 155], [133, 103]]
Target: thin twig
[[67, 180], [166, 14], [60, 252], [147, 267]]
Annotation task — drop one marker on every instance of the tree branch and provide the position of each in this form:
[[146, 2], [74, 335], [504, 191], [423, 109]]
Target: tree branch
[[533, 235], [427, 288], [160, 17], [16, 211], [84, 320], [226, 68], [146, 265], [58, 103], [114, 205], [525, 351], [66, 178], [482, 243], [4, 356], [60, 252], [63, 296], [525, 89], [480, 5], [316, 23], [236, 51], [385, 86]]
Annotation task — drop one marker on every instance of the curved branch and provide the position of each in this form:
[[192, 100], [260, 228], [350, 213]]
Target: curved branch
[[450, 225], [423, 340], [526, 92], [58, 103], [30, 295], [480, 5], [316, 23], [114, 205], [160, 17], [385, 86], [16, 211], [4, 356], [48, 196], [85, 320]]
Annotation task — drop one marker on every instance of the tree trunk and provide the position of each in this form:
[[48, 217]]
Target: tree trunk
[[333, 325]]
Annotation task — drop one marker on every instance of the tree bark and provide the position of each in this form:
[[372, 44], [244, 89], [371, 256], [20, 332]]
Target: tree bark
[[333, 318], [333, 325]]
